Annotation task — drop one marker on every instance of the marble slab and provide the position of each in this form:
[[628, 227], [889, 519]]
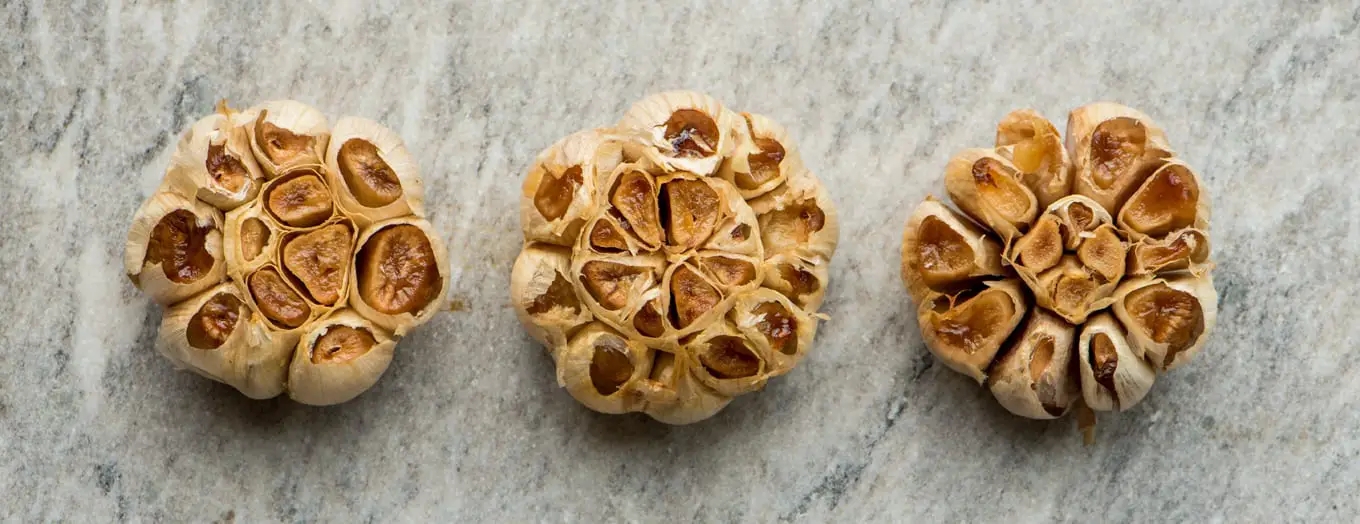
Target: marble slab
[[469, 424]]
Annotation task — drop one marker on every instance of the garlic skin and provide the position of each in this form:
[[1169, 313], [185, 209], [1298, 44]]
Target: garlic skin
[[798, 218], [1113, 148], [693, 402], [1173, 325], [286, 135], [362, 153], [1032, 378], [249, 358], [560, 191], [1187, 249], [966, 333], [214, 163], [197, 238], [988, 189], [322, 380], [682, 131], [762, 159], [401, 323], [1114, 375], [544, 297], [941, 250]]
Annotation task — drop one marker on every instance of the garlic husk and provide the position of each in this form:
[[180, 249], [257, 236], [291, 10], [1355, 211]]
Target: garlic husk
[[269, 280], [693, 400], [975, 254], [544, 297], [1187, 249], [800, 219], [250, 358], [390, 151], [652, 117], [1189, 303], [725, 360], [574, 168], [1089, 178], [612, 384], [1100, 345], [243, 225], [779, 329], [1034, 146], [292, 121], [1034, 377], [400, 323], [950, 322], [317, 211], [213, 145], [341, 259], [987, 187], [334, 381], [802, 280], [1170, 199], [762, 143], [152, 277]]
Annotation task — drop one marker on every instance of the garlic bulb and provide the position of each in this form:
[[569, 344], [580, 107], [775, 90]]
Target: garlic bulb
[[1102, 243], [675, 261], [174, 248], [320, 265], [338, 358], [374, 176], [215, 334]]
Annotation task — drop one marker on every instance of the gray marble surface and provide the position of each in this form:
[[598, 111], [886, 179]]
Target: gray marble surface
[[468, 424]]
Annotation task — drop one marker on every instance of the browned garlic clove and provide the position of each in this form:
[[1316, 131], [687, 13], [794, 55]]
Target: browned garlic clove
[[318, 262], [338, 358], [612, 286], [724, 359], [251, 240], [400, 274], [943, 252], [1168, 318], [1034, 146], [776, 327], [213, 161], [802, 280], [800, 220], [966, 330], [279, 301], [682, 131], [215, 334], [286, 135], [1035, 377], [1113, 148], [988, 188], [1169, 200], [298, 199], [373, 175], [1071, 259], [764, 156], [604, 370], [1114, 375], [692, 400], [559, 194], [1187, 249], [544, 297], [174, 248]]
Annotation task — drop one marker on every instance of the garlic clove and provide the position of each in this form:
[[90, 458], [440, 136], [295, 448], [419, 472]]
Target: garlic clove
[[174, 248], [737, 231], [682, 131], [692, 402], [691, 209], [1168, 319], [631, 198], [373, 175], [559, 192], [544, 297], [802, 280], [801, 220], [338, 358], [942, 251], [298, 199], [725, 360], [1071, 259], [612, 285], [966, 330], [1114, 376], [1187, 249], [280, 303], [1035, 377], [1113, 148], [1036, 149], [1169, 200], [693, 300], [286, 135], [763, 157], [604, 370], [251, 240], [217, 335], [988, 188], [401, 274], [1078, 214], [780, 331], [213, 161], [1072, 290], [318, 262]]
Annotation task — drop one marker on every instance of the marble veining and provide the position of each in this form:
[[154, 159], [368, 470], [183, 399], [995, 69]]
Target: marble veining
[[469, 424]]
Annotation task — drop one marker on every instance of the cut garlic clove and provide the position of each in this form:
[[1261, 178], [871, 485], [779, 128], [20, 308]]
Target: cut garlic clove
[[401, 274], [287, 134], [1034, 378], [213, 161], [1169, 200], [279, 302], [693, 401], [559, 193], [611, 285], [1187, 249], [1168, 319], [1034, 146], [1079, 215], [802, 221], [780, 330], [217, 335], [763, 157], [1113, 374], [544, 298], [988, 188], [682, 131], [732, 274], [318, 262], [802, 280], [338, 358], [251, 240], [1072, 290], [373, 175], [604, 370], [174, 248], [691, 209], [631, 198], [1113, 148], [725, 360], [942, 251], [737, 232], [298, 199], [966, 330]]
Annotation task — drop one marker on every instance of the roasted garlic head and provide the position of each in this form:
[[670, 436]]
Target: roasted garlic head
[[1097, 245], [674, 261], [320, 264]]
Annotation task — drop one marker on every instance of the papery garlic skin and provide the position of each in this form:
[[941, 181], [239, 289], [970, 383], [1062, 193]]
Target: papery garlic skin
[[1159, 342], [544, 297], [1033, 377], [763, 157], [383, 159], [198, 237], [214, 163], [1114, 374], [317, 381], [987, 188], [250, 358]]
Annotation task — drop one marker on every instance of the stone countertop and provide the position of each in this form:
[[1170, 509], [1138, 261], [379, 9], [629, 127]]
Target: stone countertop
[[469, 424]]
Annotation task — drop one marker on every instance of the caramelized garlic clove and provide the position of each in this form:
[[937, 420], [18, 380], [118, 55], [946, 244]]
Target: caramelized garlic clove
[[726, 361], [278, 300], [987, 187], [764, 156], [1079, 215], [401, 274], [803, 221], [802, 280], [1034, 377], [286, 135], [966, 331], [942, 251], [338, 358], [1113, 148], [174, 248], [1168, 319], [631, 198], [1187, 249], [213, 161], [251, 240], [543, 295], [682, 131], [690, 211], [298, 199], [1073, 291], [559, 193], [1169, 200], [612, 285], [373, 175], [732, 274], [1036, 149], [1114, 376], [217, 335], [604, 370], [693, 300], [319, 262], [780, 331]]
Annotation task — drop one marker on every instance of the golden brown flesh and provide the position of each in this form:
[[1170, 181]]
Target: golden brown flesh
[[369, 178], [214, 321], [398, 272], [342, 344], [177, 243], [300, 201], [320, 260], [276, 300]]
